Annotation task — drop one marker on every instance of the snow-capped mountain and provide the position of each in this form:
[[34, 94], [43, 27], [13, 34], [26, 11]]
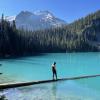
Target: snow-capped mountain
[[10, 18], [36, 20]]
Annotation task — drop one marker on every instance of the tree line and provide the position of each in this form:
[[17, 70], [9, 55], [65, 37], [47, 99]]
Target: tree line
[[69, 38]]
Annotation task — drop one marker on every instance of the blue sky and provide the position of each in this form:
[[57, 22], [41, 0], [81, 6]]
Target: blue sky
[[68, 10]]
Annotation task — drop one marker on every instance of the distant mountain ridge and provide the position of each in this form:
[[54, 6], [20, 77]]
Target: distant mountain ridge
[[83, 35], [36, 20]]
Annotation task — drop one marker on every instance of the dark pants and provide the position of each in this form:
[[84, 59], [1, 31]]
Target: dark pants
[[54, 73]]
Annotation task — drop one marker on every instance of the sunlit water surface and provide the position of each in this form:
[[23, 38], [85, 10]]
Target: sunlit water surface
[[39, 68]]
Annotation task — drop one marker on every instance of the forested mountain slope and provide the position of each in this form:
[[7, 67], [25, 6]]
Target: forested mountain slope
[[80, 36]]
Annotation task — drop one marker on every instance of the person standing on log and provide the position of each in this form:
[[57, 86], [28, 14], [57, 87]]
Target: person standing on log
[[54, 70]]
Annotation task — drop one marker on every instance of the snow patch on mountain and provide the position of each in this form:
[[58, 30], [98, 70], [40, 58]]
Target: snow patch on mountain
[[10, 18]]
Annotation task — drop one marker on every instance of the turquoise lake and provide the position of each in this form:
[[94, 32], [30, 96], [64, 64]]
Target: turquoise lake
[[39, 68]]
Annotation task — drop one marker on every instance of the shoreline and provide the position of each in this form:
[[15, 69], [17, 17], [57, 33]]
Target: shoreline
[[40, 54]]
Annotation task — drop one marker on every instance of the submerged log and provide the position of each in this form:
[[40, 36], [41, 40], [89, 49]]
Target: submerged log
[[20, 84]]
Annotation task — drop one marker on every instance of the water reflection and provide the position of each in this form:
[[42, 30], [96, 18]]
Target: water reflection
[[54, 91], [68, 90]]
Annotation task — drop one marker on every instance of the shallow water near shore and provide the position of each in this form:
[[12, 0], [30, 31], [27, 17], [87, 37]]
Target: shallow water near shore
[[39, 68]]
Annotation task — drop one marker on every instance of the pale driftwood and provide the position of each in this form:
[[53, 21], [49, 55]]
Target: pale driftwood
[[20, 84]]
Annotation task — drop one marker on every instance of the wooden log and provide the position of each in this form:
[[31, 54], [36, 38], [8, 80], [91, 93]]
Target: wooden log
[[20, 84]]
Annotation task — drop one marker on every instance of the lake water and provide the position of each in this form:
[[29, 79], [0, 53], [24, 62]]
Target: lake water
[[39, 68]]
